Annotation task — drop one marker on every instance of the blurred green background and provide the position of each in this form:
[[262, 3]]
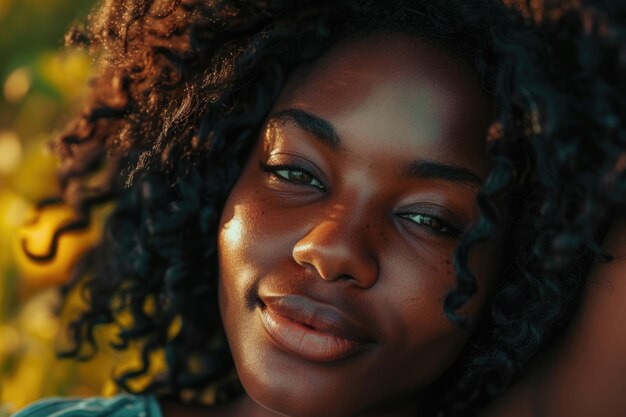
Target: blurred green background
[[41, 85]]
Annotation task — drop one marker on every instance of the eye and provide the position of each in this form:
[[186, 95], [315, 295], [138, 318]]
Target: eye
[[293, 174], [432, 223]]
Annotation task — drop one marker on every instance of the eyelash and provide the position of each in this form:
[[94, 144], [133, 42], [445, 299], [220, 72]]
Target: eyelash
[[422, 220], [283, 171]]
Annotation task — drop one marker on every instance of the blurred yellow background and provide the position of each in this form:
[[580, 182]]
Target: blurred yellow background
[[41, 84]]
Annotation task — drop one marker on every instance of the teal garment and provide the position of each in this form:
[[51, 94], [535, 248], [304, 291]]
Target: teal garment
[[118, 406]]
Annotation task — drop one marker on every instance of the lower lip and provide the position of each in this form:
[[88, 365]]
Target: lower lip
[[307, 343]]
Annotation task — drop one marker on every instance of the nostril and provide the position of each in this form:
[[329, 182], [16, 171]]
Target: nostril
[[346, 277]]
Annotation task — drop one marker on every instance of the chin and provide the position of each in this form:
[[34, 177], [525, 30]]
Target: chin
[[287, 404], [297, 393]]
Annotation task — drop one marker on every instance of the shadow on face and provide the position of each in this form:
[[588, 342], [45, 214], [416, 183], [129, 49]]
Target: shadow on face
[[336, 244]]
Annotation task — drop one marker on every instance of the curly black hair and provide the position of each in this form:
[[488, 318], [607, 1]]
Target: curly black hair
[[180, 96]]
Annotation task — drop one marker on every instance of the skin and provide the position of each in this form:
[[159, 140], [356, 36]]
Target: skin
[[349, 228], [583, 374]]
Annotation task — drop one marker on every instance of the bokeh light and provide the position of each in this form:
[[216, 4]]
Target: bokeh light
[[17, 84], [10, 152]]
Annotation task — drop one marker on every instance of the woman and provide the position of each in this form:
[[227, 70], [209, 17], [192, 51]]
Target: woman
[[365, 209]]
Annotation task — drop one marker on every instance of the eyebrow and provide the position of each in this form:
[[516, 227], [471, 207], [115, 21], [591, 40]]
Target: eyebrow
[[430, 169], [325, 132], [320, 128]]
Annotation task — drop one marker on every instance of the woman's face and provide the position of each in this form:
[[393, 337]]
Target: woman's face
[[336, 244]]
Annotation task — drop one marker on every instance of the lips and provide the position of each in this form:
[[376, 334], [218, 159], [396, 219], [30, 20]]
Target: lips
[[312, 330]]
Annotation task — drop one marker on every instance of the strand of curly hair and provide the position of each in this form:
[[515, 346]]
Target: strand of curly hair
[[183, 90]]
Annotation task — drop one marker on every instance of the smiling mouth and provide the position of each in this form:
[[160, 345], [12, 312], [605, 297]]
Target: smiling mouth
[[311, 330]]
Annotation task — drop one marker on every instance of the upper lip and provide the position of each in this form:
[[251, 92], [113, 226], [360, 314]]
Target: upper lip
[[319, 316]]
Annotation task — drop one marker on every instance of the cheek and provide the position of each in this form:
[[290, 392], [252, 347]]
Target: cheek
[[251, 231], [251, 244], [240, 257], [420, 342], [238, 244], [431, 342]]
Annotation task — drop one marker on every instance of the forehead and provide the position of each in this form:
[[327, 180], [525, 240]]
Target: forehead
[[387, 89]]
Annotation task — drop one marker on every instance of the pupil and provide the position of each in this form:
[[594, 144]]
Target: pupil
[[299, 176], [430, 222]]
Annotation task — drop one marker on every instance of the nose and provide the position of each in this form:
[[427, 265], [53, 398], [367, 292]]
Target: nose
[[338, 250]]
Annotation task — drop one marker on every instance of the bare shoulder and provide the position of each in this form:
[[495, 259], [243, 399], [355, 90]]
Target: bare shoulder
[[585, 374]]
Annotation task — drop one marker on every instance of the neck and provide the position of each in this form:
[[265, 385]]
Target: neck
[[246, 406]]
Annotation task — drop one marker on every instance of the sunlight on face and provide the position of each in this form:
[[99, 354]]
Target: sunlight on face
[[336, 243]]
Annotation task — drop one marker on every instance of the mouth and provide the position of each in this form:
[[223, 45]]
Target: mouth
[[311, 330]]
